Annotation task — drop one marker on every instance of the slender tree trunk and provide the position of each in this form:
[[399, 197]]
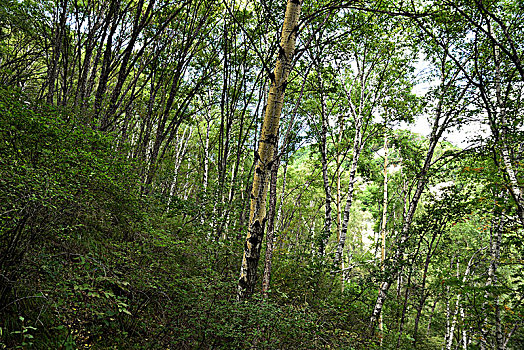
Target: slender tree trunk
[[181, 149], [500, 129], [386, 284], [339, 175], [514, 187], [431, 314], [57, 48], [464, 331], [384, 222], [407, 224], [206, 158], [91, 76], [439, 125], [449, 338], [424, 295], [264, 156], [270, 239], [107, 60], [495, 241], [272, 221], [339, 193], [357, 147], [451, 331], [282, 195], [326, 232], [86, 65], [510, 334], [448, 319], [407, 292]]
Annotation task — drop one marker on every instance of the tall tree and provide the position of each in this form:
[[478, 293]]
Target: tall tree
[[445, 114], [264, 156]]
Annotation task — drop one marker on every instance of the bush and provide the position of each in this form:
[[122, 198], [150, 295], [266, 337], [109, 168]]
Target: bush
[[62, 187]]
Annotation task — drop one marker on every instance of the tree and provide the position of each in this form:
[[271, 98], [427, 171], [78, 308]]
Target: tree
[[264, 156], [444, 115]]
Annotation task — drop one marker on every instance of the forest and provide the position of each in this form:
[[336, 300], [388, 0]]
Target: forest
[[262, 174]]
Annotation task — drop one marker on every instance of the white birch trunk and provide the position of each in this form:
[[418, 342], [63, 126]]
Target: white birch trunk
[[264, 155], [505, 153], [326, 232], [181, 149], [384, 222]]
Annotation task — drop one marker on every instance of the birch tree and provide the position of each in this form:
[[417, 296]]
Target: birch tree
[[264, 156], [374, 73], [444, 115]]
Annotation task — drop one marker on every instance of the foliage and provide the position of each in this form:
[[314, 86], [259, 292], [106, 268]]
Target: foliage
[[128, 133]]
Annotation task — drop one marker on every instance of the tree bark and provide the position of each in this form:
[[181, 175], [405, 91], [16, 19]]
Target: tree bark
[[272, 221], [339, 192], [270, 239], [264, 157], [428, 328], [357, 146], [384, 221], [180, 152], [494, 248], [326, 232], [514, 187], [57, 48], [424, 295]]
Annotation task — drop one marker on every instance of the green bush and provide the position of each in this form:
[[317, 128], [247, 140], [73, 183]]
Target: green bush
[[62, 188]]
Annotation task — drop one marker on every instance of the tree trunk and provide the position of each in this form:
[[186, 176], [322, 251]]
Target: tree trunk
[[339, 192], [272, 221], [428, 328], [451, 329], [58, 39], [424, 295], [495, 241], [440, 124], [264, 156], [449, 337], [514, 187], [422, 180], [114, 14], [180, 152], [357, 146], [448, 318], [326, 232], [266, 279], [280, 214], [206, 157], [339, 175], [384, 221]]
